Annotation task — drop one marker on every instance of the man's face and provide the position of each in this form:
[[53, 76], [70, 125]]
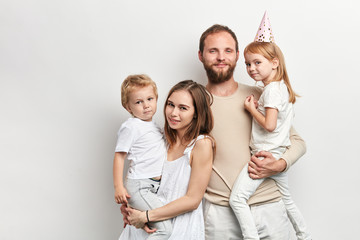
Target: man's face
[[219, 57]]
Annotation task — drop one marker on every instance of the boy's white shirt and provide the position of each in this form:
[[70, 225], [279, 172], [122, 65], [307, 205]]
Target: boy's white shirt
[[145, 147]]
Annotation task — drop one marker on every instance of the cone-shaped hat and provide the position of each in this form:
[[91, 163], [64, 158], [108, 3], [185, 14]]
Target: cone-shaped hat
[[264, 33]]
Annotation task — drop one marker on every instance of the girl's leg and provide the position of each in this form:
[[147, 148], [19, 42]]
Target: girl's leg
[[296, 218], [243, 188]]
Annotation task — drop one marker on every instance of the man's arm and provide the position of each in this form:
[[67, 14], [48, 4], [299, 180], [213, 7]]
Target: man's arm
[[270, 166], [296, 150]]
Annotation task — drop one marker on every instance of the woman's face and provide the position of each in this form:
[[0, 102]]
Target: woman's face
[[179, 111]]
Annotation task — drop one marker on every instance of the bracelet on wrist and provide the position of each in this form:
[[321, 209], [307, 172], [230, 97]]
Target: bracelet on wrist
[[147, 216]]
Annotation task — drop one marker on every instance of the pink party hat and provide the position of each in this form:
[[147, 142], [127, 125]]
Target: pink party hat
[[264, 33]]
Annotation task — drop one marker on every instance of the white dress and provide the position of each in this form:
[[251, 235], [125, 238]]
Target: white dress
[[174, 184]]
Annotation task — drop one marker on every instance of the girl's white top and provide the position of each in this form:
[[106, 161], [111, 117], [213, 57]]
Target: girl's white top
[[275, 95], [145, 147], [174, 183]]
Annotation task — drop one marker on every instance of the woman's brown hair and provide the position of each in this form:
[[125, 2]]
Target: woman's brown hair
[[202, 122]]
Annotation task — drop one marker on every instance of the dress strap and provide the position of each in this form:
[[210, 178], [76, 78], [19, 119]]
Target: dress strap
[[193, 142]]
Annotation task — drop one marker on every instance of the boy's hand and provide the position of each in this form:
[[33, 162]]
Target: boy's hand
[[121, 195]]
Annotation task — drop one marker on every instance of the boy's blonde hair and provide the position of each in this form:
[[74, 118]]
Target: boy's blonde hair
[[135, 81], [270, 51]]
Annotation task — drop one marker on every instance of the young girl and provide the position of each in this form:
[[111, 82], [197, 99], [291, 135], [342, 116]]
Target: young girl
[[187, 171], [272, 119], [141, 142]]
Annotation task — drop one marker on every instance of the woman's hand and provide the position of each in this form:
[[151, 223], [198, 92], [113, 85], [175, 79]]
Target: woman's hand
[[147, 229], [125, 214], [136, 218]]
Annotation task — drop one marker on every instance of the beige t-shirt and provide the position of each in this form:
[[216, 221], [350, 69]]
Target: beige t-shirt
[[232, 131]]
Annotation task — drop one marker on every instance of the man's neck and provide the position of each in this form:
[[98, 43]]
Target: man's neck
[[223, 89]]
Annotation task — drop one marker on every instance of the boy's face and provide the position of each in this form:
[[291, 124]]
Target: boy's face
[[142, 103]]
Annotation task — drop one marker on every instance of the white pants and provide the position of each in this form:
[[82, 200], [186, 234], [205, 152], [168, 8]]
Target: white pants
[[143, 197], [244, 188], [271, 221]]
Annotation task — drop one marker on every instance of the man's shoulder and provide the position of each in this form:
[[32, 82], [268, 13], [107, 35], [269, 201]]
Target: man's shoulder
[[247, 89]]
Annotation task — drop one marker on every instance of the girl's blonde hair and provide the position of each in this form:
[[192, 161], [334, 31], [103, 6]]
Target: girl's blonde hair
[[202, 122], [271, 51], [135, 81]]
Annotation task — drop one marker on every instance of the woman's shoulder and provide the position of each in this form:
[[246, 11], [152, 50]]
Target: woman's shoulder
[[204, 143], [201, 142]]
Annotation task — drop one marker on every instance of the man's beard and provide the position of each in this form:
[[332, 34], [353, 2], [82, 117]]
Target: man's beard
[[219, 77]]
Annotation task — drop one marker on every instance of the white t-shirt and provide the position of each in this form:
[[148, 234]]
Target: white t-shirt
[[145, 147], [275, 95]]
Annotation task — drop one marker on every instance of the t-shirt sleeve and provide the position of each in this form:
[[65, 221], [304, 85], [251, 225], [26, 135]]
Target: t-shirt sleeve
[[125, 139], [272, 98]]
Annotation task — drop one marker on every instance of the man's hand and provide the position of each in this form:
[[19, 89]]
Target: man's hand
[[266, 167]]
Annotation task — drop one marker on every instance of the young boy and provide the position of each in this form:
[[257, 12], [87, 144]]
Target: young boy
[[140, 141]]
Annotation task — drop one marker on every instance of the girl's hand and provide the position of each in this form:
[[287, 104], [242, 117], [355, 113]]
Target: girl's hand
[[121, 195], [136, 218], [256, 103], [250, 103]]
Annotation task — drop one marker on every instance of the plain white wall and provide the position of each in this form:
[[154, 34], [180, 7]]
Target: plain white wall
[[61, 67]]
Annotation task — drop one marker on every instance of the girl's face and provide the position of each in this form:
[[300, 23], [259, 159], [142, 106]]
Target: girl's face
[[259, 68], [180, 110]]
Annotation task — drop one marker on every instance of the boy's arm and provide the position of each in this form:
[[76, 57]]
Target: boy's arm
[[121, 194]]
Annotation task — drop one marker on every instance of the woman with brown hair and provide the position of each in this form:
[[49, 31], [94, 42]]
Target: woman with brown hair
[[187, 170]]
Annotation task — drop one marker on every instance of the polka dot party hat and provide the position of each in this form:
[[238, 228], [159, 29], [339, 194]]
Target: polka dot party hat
[[264, 33]]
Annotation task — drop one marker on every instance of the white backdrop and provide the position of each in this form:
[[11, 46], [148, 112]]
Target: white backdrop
[[61, 67]]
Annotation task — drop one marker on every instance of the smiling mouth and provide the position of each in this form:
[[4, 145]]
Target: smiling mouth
[[220, 65], [173, 121]]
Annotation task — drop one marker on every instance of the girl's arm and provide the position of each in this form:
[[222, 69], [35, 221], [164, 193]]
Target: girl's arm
[[268, 122], [201, 167], [121, 195]]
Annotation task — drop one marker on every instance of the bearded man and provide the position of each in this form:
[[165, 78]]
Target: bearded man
[[219, 52]]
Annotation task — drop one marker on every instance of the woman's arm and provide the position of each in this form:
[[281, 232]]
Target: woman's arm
[[201, 167]]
